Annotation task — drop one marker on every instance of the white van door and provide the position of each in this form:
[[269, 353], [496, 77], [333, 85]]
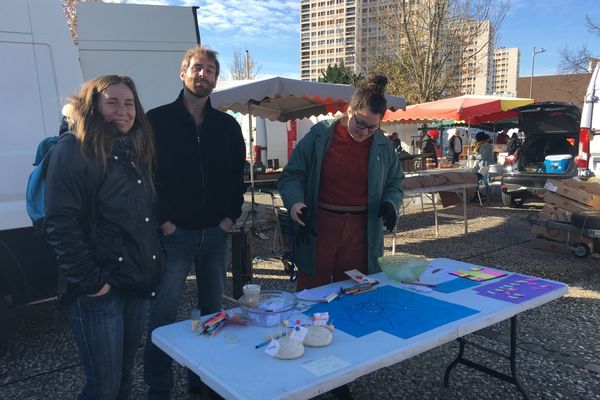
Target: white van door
[[38, 71], [590, 123], [143, 42]]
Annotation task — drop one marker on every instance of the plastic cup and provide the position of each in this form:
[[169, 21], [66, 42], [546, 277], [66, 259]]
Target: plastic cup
[[195, 316], [252, 295], [231, 338]]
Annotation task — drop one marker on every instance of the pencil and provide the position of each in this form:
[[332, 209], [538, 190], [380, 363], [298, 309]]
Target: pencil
[[218, 328], [420, 284], [266, 342], [364, 290]]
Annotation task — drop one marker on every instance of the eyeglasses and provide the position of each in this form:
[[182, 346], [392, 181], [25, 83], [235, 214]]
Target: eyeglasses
[[360, 124]]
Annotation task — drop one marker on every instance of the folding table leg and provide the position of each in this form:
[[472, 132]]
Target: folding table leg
[[512, 378], [435, 215], [464, 196]]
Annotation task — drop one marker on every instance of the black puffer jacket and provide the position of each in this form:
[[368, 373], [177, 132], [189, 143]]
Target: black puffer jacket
[[122, 247]]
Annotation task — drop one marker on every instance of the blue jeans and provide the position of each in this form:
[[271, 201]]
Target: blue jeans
[[108, 330], [207, 250]]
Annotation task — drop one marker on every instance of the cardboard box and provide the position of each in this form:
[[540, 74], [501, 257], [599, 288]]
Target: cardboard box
[[565, 203], [560, 247], [555, 213], [550, 245], [587, 193], [558, 235]]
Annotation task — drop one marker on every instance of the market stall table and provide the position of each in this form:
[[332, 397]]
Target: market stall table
[[445, 181], [388, 325]]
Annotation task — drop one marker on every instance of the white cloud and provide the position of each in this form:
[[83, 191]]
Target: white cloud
[[269, 19], [145, 2], [251, 19]]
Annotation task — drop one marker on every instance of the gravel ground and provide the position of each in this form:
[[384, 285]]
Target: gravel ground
[[558, 352]]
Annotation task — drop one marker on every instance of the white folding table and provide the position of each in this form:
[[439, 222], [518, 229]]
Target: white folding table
[[231, 365]]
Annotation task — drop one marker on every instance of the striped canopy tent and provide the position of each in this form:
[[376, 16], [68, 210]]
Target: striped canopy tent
[[284, 99], [470, 109]]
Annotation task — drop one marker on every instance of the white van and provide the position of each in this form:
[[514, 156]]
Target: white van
[[40, 69], [589, 136]]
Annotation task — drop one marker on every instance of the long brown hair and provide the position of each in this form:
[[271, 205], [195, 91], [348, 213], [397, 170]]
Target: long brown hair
[[97, 135], [370, 94]]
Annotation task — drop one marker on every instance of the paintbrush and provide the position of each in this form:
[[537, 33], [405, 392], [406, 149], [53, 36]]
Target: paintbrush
[[231, 299]]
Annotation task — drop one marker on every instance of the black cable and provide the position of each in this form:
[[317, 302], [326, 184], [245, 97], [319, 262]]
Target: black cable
[[494, 250], [44, 373]]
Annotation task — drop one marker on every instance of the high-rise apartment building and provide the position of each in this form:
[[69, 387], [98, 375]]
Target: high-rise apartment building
[[476, 74], [505, 71], [327, 35], [346, 31]]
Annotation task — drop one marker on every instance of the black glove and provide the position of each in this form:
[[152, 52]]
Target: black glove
[[305, 232], [387, 213]]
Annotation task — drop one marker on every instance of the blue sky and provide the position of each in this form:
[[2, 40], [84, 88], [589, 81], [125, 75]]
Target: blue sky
[[269, 29]]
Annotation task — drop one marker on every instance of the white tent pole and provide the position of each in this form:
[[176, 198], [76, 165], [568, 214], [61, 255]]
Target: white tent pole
[[251, 141], [469, 136]]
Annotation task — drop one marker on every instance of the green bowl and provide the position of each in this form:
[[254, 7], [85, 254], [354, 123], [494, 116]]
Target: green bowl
[[402, 268]]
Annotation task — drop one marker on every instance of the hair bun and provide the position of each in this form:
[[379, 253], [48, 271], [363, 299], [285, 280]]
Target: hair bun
[[375, 82], [370, 94]]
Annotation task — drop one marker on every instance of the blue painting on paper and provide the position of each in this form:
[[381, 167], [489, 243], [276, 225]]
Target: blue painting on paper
[[390, 309]]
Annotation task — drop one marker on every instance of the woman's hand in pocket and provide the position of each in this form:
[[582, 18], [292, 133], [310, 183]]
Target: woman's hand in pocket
[[226, 224], [168, 228], [105, 289]]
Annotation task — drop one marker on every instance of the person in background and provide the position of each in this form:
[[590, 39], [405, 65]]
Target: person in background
[[429, 145], [455, 145], [502, 137], [396, 141], [100, 221], [513, 143], [484, 150], [342, 178], [200, 184]]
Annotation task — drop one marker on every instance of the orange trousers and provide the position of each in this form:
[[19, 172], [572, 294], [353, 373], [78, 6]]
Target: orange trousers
[[341, 246]]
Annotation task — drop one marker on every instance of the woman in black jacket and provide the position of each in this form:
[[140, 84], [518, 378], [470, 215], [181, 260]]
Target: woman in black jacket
[[100, 221]]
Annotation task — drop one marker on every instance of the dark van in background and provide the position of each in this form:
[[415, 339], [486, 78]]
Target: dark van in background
[[549, 129]]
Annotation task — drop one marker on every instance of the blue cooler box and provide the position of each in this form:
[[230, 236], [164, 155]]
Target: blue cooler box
[[557, 164]]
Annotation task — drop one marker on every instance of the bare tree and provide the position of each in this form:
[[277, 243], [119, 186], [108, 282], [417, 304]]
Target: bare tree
[[578, 61], [574, 61], [70, 7], [244, 66], [430, 45], [592, 25]]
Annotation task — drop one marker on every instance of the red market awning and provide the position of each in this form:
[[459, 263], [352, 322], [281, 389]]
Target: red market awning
[[468, 108]]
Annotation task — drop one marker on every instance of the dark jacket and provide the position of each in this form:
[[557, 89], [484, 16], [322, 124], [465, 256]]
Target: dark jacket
[[200, 170], [118, 243], [428, 147]]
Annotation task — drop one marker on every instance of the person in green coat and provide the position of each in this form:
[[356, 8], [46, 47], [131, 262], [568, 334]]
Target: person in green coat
[[342, 182]]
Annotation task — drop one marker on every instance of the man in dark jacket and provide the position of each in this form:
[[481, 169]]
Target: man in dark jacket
[[429, 146], [200, 185]]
